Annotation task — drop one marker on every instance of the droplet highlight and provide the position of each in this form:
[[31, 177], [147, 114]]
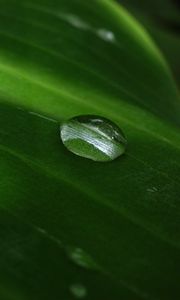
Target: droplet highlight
[[81, 258], [78, 291], [74, 21], [93, 137], [106, 35], [152, 189]]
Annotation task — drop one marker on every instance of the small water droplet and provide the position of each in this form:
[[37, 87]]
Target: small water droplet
[[78, 290], [152, 189], [106, 35], [93, 137], [81, 258], [74, 21]]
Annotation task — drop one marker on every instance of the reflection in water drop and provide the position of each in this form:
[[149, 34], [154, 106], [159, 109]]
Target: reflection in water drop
[[81, 258], [78, 291], [93, 137], [106, 35]]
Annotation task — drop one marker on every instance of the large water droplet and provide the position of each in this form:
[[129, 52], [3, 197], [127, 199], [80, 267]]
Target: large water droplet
[[93, 137], [78, 291]]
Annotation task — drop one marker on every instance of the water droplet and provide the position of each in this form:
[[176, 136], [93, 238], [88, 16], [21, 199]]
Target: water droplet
[[93, 137], [74, 21], [81, 258], [78, 291], [106, 35], [152, 189]]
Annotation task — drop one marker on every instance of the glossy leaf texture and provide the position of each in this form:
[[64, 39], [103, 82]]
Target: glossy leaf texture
[[70, 227]]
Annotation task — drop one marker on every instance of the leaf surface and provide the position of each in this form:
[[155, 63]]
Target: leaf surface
[[113, 228]]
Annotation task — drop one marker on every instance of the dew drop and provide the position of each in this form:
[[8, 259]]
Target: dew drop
[[93, 137], [106, 35], [78, 291], [152, 189], [81, 258], [74, 21]]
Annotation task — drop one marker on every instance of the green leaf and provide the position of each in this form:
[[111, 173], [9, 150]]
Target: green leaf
[[71, 227], [161, 18]]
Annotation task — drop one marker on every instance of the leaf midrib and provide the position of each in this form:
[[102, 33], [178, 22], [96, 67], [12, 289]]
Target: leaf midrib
[[14, 72]]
